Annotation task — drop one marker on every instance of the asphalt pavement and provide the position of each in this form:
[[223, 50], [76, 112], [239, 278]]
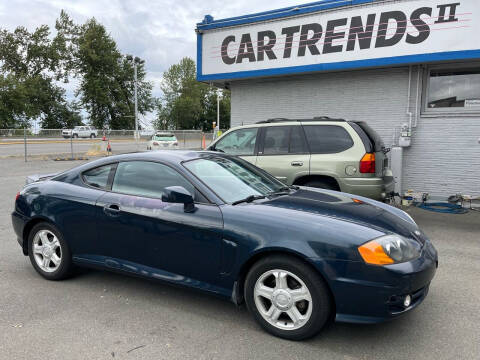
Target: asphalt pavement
[[101, 315]]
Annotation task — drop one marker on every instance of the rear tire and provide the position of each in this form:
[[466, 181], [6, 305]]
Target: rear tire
[[321, 184], [49, 252], [92, 136], [287, 297]]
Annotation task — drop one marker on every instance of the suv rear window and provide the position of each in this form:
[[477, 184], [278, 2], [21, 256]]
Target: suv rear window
[[370, 138], [327, 139]]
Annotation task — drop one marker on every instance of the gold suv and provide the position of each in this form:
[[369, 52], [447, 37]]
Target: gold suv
[[321, 152]]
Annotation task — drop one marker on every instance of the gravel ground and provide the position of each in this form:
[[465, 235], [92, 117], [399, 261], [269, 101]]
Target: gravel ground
[[100, 315]]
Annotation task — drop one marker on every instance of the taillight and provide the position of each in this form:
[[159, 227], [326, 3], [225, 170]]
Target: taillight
[[16, 197], [155, 143], [367, 164]]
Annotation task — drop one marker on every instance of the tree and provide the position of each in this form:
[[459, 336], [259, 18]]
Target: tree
[[106, 88], [29, 62], [210, 109], [187, 103]]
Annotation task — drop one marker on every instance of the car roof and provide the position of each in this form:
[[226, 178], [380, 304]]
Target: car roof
[[169, 157], [288, 122], [166, 156]]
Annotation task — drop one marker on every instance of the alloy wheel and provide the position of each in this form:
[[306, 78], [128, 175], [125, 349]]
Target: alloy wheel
[[283, 299], [47, 251]]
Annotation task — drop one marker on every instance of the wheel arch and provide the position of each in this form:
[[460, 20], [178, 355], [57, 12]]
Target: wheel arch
[[239, 285], [28, 227], [302, 180]]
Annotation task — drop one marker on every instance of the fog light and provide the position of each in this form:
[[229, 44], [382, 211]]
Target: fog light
[[407, 301]]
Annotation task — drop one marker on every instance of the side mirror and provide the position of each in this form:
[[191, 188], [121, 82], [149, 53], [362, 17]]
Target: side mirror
[[179, 195]]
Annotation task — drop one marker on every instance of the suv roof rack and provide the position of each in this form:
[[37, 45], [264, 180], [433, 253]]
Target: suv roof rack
[[316, 118], [274, 120]]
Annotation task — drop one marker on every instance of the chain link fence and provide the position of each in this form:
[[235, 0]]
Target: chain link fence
[[57, 143]]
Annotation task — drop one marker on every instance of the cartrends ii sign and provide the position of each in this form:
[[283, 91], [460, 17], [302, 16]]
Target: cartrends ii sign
[[350, 37]]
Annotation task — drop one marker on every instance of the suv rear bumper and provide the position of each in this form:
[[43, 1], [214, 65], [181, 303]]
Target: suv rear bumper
[[374, 188]]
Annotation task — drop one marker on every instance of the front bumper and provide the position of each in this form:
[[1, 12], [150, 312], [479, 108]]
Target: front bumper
[[371, 294]]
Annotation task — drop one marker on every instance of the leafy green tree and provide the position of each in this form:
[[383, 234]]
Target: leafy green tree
[[187, 103], [28, 63], [14, 111], [210, 109], [106, 88]]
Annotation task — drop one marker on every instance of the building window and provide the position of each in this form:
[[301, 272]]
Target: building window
[[453, 90]]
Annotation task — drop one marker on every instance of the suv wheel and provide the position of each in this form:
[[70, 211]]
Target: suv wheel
[[75, 136], [92, 136], [287, 298], [49, 252]]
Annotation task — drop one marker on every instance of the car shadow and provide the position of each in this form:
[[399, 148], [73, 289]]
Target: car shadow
[[353, 339]]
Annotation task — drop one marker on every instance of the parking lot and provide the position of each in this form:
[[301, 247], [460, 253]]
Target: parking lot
[[100, 315]]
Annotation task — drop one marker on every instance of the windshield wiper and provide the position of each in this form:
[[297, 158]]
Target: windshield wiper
[[285, 190], [249, 199]]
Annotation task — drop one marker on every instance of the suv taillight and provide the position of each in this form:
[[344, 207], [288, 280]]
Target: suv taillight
[[16, 197], [367, 164]]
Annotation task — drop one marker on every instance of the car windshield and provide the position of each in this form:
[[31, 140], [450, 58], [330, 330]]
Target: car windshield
[[164, 137], [233, 179]]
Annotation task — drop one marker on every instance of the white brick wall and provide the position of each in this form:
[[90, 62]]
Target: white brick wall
[[444, 158]]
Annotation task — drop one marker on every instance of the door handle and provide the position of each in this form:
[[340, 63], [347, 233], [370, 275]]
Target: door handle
[[297, 163], [112, 209]]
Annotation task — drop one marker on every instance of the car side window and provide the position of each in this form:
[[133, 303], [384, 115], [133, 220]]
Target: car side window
[[146, 178], [277, 140], [297, 141], [327, 139], [238, 142], [99, 176], [284, 140]]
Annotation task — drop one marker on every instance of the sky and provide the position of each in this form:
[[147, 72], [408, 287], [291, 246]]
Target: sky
[[159, 31]]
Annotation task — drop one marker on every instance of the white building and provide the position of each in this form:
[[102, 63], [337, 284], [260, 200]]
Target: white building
[[410, 63]]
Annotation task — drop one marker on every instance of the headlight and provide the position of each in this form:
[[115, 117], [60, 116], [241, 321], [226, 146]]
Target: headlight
[[389, 249]]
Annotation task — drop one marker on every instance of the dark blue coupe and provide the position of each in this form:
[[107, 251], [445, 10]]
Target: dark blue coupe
[[296, 256]]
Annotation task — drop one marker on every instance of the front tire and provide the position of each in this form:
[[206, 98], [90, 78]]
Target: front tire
[[92, 136], [287, 298], [49, 253]]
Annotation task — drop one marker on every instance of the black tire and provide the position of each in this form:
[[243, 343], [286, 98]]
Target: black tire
[[92, 136], [75, 136], [322, 184], [65, 268], [320, 295]]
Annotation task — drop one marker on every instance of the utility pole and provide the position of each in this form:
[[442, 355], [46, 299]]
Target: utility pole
[[218, 109], [136, 101], [135, 62]]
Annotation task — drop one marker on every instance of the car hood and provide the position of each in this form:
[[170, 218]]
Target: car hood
[[347, 207]]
